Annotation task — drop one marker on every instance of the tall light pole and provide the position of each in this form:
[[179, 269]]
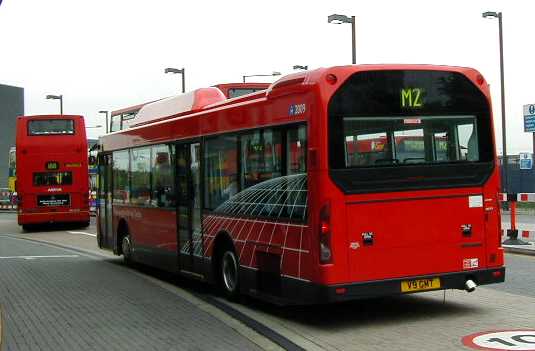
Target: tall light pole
[[181, 71], [261, 75], [498, 15], [57, 97], [107, 124], [339, 19], [300, 67]]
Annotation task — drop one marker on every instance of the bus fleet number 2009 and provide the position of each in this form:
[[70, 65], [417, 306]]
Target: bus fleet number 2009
[[297, 109]]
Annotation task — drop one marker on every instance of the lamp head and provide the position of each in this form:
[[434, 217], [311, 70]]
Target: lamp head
[[490, 14], [338, 19]]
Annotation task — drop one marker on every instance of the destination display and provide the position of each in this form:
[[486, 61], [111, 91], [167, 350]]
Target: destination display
[[53, 200]]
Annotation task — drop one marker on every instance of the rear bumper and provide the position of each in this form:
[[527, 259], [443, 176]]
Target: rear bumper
[[52, 217], [293, 291]]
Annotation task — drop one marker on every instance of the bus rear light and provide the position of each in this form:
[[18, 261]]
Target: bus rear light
[[340, 291], [497, 274], [325, 234]]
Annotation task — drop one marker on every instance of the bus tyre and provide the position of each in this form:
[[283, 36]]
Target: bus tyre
[[26, 227], [229, 277], [126, 247]]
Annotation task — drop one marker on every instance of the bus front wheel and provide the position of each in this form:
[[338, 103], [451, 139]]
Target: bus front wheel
[[229, 277]]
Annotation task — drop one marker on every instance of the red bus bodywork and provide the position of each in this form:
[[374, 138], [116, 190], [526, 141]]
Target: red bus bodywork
[[58, 163], [376, 240]]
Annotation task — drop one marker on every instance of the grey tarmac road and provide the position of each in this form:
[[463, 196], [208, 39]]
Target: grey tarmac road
[[52, 298], [423, 321]]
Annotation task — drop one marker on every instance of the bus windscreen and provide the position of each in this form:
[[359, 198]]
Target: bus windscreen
[[51, 127]]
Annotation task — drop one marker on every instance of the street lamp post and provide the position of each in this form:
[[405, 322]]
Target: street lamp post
[[57, 97], [498, 15], [181, 71], [339, 19], [261, 75], [107, 124], [300, 67]]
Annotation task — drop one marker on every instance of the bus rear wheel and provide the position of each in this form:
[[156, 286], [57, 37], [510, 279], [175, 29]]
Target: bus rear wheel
[[229, 277], [126, 247]]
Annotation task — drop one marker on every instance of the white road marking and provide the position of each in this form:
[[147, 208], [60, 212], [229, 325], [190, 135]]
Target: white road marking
[[83, 233], [36, 257]]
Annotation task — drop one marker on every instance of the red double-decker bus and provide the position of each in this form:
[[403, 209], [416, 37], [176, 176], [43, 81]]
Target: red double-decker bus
[[52, 173], [333, 184], [121, 119]]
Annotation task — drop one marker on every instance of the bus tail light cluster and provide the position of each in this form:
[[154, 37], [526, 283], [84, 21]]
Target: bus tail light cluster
[[325, 235]]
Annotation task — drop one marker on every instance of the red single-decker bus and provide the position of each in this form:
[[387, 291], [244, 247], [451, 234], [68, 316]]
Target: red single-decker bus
[[333, 184]]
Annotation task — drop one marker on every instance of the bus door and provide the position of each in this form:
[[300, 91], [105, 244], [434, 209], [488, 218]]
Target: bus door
[[189, 207], [105, 238]]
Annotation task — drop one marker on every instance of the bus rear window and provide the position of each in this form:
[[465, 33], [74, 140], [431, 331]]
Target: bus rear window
[[51, 127], [395, 130], [52, 178], [398, 140]]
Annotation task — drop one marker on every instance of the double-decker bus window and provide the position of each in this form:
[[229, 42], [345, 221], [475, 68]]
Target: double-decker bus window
[[127, 119], [51, 127], [235, 92], [52, 178], [120, 182], [220, 170], [296, 150], [140, 177], [261, 156], [115, 123], [163, 189]]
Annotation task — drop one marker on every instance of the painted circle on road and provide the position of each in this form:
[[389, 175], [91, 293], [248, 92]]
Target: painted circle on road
[[521, 340]]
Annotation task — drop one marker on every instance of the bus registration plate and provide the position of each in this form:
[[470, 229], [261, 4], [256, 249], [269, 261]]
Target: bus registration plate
[[420, 284]]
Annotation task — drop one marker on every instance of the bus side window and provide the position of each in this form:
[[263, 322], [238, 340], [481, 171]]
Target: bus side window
[[163, 189], [220, 170]]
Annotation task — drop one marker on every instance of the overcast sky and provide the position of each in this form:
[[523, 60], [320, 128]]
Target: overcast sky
[[110, 54]]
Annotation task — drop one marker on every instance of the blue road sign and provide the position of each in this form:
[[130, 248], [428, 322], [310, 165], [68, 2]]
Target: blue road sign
[[526, 160], [529, 118]]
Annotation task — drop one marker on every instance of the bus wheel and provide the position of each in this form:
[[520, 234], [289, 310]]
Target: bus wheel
[[27, 227], [126, 246], [229, 277]]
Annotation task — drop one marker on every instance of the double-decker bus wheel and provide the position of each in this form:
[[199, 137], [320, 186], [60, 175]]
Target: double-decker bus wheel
[[126, 246]]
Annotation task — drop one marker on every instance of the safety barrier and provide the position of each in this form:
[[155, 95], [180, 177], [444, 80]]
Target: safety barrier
[[512, 234]]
